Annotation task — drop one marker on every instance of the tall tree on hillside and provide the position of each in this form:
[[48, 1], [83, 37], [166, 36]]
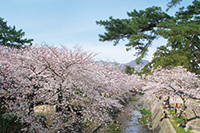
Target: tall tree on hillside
[[10, 37], [144, 26]]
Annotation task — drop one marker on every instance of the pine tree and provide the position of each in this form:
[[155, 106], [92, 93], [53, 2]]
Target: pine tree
[[10, 37], [168, 59], [144, 26], [140, 29]]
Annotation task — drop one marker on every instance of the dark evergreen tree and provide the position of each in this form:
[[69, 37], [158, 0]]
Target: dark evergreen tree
[[181, 30], [129, 70], [168, 59], [10, 37], [173, 3], [140, 29]]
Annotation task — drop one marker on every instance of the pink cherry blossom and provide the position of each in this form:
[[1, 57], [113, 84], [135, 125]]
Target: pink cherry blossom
[[67, 79]]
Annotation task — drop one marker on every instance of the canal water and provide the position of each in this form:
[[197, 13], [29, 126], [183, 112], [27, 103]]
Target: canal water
[[129, 120]]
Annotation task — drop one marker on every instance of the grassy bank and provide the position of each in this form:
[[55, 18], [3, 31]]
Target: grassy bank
[[112, 128], [146, 117], [175, 121]]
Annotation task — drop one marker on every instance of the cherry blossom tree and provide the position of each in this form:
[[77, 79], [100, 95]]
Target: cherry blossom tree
[[170, 82], [65, 79]]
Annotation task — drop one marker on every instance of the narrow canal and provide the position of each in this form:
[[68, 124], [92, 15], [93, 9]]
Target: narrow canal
[[129, 120]]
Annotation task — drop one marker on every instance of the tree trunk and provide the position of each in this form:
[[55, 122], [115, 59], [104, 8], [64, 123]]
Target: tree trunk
[[31, 106], [183, 107], [60, 98]]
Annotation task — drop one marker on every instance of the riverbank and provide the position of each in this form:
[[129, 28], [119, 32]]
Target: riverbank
[[170, 123], [158, 126], [130, 123], [129, 118]]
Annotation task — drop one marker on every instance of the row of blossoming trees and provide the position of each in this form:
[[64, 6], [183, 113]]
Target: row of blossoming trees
[[174, 82], [73, 83], [68, 79], [171, 82]]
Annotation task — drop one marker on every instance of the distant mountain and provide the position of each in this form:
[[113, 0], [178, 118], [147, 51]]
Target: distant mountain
[[137, 66]]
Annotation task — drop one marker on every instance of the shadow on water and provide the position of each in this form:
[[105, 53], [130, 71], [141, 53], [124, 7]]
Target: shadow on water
[[129, 120]]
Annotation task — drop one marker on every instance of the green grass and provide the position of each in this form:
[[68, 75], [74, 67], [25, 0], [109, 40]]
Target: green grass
[[145, 112], [175, 121], [78, 91], [112, 128], [146, 117], [132, 99], [141, 94], [172, 112], [179, 129], [142, 120]]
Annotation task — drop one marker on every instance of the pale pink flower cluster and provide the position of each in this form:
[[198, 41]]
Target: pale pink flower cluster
[[172, 81], [65, 78]]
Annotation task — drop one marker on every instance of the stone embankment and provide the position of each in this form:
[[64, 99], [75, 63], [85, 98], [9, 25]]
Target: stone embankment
[[192, 114], [158, 126]]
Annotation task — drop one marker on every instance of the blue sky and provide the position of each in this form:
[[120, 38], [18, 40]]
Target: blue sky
[[73, 22]]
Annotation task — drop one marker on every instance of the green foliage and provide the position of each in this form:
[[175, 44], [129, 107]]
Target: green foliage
[[171, 58], [12, 38], [144, 26], [132, 99], [129, 70], [142, 120], [78, 91], [171, 112], [9, 123], [112, 128], [146, 117], [145, 112], [141, 94], [139, 105], [173, 3], [140, 29]]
